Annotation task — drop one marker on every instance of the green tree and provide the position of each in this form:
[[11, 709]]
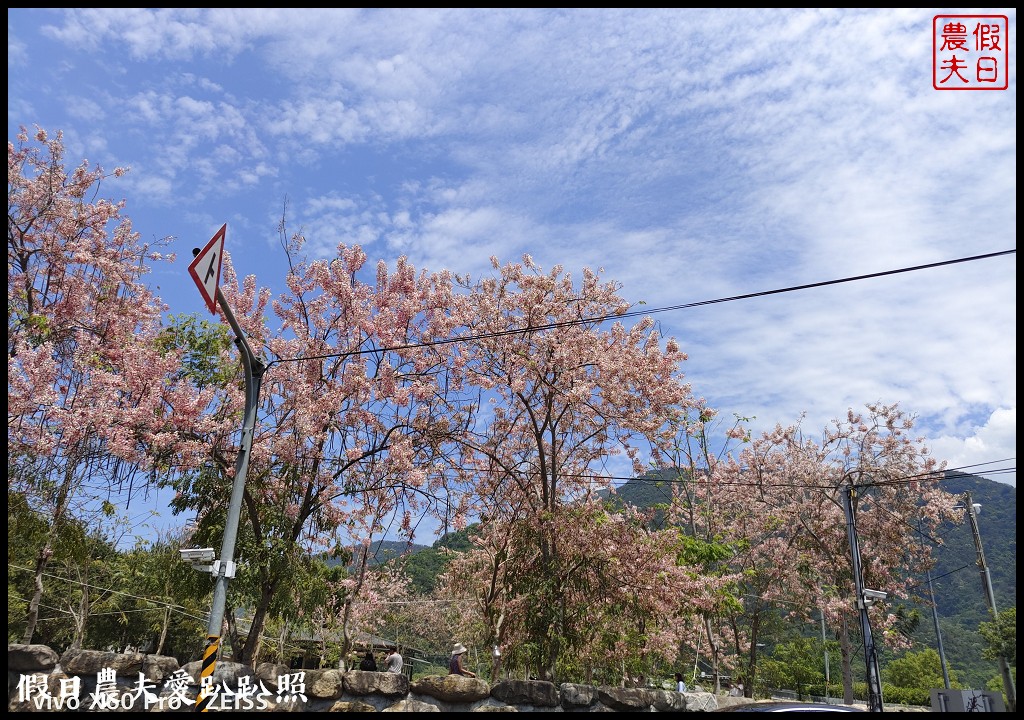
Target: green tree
[[795, 664], [27, 530], [1001, 637], [544, 412], [166, 599], [995, 683], [920, 669]]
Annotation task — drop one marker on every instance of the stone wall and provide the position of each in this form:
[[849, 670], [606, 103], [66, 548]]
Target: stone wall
[[38, 679]]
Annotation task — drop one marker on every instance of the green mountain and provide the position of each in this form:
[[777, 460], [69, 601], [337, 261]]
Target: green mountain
[[959, 591], [423, 563], [960, 594], [384, 551], [957, 580], [650, 490], [381, 551]]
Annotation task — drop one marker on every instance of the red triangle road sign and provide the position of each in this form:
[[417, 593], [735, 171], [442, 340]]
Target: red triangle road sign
[[205, 268]]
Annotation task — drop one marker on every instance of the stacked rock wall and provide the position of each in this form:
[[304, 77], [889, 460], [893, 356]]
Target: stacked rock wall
[[38, 679]]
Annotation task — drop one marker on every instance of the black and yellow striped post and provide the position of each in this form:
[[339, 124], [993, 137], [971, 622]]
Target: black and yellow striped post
[[209, 665]]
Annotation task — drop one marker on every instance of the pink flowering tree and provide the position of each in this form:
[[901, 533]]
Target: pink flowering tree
[[346, 606], [93, 404], [784, 513], [560, 401], [351, 424], [693, 443], [628, 592]]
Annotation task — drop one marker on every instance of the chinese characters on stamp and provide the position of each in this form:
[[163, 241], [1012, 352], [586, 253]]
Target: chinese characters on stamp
[[970, 52]]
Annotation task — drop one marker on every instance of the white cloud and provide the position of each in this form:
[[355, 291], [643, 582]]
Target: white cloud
[[984, 445], [17, 53], [693, 154]]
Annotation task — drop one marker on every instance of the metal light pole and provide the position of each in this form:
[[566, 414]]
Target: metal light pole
[[224, 569], [864, 599], [938, 632], [935, 614], [824, 647], [986, 580]]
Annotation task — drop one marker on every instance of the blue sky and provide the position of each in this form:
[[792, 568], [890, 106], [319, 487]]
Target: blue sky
[[691, 154]]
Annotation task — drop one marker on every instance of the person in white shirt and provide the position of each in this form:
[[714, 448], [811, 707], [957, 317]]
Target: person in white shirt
[[393, 662], [680, 683]]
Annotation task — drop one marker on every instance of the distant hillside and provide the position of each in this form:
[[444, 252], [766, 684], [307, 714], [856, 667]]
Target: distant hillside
[[384, 551], [424, 567], [956, 580], [957, 583], [651, 489], [422, 563]]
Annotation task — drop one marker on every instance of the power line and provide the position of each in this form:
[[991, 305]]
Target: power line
[[652, 311], [649, 311], [947, 574], [597, 319], [990, 462], [679, 479], [160, 603]]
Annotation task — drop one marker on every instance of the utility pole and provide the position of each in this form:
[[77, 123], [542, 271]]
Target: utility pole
[[938, 632], [224, 569], [824, 647], [935, 614], [986, 580], [865, 598]]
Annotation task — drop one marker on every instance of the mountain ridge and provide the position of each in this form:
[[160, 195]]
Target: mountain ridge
[[959, 591]]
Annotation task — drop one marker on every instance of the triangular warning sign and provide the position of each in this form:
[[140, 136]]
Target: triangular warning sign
[[205, 268]]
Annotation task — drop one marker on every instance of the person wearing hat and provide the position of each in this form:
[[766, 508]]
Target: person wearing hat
[[455, 666]]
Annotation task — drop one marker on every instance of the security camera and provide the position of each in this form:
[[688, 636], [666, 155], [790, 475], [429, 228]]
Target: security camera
[[197, 555], [873, 596]]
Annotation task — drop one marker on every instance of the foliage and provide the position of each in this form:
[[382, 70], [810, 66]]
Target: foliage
[[780, 503], [553, 404], [1000, 636], [423, 568], [372, 416], [797, 664], [958, 589], [422, 671], [169, 599], [27, 531], [995, 684], [100, 597], [90, 409], [899, 695], [957, 553], [458, 540], [920, 669], [203, 348], [345, 438]]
